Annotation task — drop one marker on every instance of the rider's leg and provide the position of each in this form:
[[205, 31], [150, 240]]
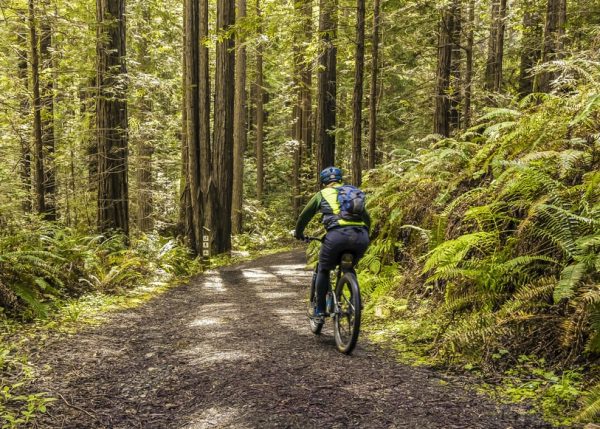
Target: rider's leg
[[322, 288]]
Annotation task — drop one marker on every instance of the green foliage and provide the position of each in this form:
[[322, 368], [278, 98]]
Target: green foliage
[[496, 231]]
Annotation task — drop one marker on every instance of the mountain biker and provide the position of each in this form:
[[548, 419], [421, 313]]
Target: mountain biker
[[342, 235]]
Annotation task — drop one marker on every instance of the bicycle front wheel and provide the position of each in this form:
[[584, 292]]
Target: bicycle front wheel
[[346, 322]]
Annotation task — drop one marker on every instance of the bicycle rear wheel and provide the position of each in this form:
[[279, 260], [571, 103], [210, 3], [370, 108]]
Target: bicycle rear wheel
[[315, 325], [346, 322]]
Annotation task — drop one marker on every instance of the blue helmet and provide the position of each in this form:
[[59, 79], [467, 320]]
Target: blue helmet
[[331, 174]]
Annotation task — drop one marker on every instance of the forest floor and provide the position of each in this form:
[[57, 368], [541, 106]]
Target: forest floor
[[233, 349]]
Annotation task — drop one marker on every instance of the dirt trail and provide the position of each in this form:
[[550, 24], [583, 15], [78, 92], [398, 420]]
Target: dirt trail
[[233, 349]]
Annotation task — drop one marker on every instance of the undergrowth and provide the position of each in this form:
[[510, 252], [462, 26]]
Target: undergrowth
[[487, 244]]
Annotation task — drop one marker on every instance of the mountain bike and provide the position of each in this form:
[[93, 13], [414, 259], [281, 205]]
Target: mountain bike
[[343, 304]]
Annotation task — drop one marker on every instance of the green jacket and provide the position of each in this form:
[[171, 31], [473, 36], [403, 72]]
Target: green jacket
[[325, 201]]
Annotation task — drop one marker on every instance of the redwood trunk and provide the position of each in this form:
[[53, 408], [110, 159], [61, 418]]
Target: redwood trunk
[[111, 118], [223, 141], [326, 109], [554, 31], [40, 204], [373, 91], [260, 114], [357, 95], [441, 123], [47, 101], [239, 131]]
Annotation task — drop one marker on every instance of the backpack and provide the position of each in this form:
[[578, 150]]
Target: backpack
[[352, 202]]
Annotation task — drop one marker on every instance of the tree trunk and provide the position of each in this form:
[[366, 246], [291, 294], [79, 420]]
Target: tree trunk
[[111, 118], [554, 31], [441, 123], [530, 48], [47, 100], [208, 191], [145, 149], [239, 131], [357, 95], [373, 91], [493, 71], [469, 66], [223, 131], [306, 82], [456, 86], [40, 204], [260, 113], [25, 158], [327, 77], [192, 125]]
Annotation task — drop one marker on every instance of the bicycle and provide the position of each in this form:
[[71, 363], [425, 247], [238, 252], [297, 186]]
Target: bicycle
[[344, 306]]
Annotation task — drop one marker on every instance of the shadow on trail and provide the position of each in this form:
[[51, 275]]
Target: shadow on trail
[[233, 349]]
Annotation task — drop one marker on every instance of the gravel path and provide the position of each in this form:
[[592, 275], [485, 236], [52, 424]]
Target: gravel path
[[232, 349]]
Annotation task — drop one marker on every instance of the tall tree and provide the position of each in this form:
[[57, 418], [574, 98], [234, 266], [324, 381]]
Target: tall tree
[[456, 85], [260, 112], [357, 95], [47, 115], [441, 122], [239, 126], [40, 202], [374, 84], [145, 148], [111, 117], [530, 45], [306, 81], [327, 84], [24, 137], [469, 65], [223, 132], [192, 125], [493, 70], [554, 31]]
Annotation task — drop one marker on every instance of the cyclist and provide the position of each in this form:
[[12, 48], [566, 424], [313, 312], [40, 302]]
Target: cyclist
[[342, 235]]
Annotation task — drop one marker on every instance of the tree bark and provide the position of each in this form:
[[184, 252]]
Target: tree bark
[[145, 149], [493, 71], [306, 82], [530, 48], [469, 66], [192, 123], [40, 204], [373, 90], [223, 131], [260, 113], [327, 83], [441, 123], [357, 94], [111, 118], [25, 106], [554, 31], [239, 131], [47, 114], [456, 85]]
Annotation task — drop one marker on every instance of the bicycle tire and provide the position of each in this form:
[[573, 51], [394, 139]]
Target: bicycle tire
[[315, 327], [346, 323]]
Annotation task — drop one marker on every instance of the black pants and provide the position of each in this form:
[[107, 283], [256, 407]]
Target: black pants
[[337, 241]]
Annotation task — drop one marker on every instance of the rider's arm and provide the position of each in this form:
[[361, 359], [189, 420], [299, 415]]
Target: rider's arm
[[307, 214]]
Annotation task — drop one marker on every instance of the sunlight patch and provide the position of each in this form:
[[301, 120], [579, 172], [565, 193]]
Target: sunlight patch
[[214, 283], [275, 295], [206, 354], [297, 321], [292, 269], [257, 275], [217, 417], [206, 321]]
